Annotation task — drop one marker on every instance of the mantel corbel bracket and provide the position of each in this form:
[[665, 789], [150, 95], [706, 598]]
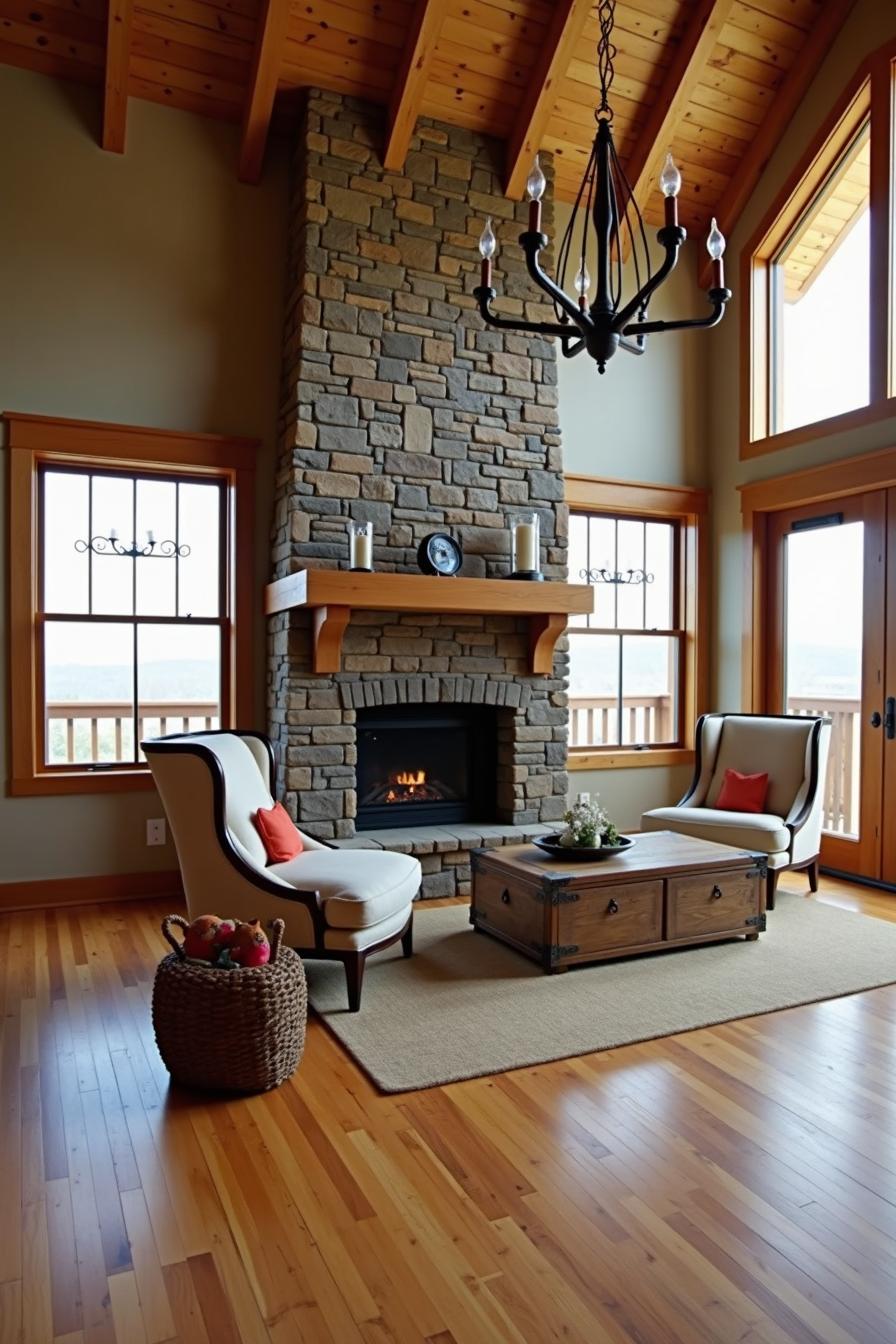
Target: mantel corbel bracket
[[329, 627], [544, 631]]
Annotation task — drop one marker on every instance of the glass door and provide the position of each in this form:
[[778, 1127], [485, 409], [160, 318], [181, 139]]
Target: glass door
[[826, 656]]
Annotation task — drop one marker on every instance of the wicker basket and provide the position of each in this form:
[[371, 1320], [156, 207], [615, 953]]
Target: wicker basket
[[230, 1031]]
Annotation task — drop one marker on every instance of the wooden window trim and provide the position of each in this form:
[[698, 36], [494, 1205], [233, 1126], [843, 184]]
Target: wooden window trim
[[35, 440], [758, 501], [870, 91], [689, 507]]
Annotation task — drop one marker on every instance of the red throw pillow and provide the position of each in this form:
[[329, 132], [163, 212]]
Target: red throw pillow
[[742, 793], [279, 836]]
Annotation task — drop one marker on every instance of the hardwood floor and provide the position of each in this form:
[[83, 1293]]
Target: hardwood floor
[[732, 1184]]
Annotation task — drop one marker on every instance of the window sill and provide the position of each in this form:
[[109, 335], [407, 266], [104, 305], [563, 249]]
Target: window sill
[[81, 781], [626, 759], [819, 429]]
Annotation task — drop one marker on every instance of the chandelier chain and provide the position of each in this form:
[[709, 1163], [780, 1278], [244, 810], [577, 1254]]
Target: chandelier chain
[[606, 54]]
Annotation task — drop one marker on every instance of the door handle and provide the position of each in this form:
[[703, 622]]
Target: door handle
[[876, 719], [890, 717]]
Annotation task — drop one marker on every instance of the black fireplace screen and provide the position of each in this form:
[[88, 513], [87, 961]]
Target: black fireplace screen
[[419, 764]]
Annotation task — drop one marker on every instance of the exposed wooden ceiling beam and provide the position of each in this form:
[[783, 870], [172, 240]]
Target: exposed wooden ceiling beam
[[115, 93], [831, 18], [410, 80], [269, 46], [567, 24], [679, 82]]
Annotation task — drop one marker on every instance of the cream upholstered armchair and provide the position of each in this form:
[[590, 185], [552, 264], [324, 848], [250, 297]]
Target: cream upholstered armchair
[[793, 750], [338, 905]]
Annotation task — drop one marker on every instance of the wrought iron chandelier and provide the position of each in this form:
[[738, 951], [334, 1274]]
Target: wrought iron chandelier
[[152, 550], [605, 197]]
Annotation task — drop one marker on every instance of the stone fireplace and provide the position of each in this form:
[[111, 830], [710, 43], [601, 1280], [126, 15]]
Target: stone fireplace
[[400, 408]]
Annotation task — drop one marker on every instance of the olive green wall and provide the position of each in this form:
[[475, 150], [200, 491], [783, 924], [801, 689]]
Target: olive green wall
[[870, 25], [143, 288], [642, 420]]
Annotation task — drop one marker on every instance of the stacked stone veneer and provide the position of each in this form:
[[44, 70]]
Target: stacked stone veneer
[[400, 407]]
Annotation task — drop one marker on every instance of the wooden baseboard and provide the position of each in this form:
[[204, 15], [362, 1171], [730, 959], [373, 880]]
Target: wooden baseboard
[[56, 891]]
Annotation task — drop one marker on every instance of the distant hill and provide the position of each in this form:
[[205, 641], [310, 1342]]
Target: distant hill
[[191, 679]]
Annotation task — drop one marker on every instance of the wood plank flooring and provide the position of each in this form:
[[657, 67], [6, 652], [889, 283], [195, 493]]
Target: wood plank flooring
[[732, 1184]]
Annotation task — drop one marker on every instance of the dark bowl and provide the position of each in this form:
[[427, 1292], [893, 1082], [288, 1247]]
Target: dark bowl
[[550, 845]]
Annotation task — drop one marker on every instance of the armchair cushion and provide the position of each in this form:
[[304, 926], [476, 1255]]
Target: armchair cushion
[[358, 887], [279, 836], [761, 831], [358, 940], [742, 793], [754, 744]]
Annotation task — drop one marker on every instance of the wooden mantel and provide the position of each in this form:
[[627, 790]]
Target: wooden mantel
[[332, 593]]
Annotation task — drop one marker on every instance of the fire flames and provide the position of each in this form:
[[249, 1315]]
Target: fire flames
[[407, 781]]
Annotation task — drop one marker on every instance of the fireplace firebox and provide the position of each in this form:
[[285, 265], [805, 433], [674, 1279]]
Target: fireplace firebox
[[425, 764]]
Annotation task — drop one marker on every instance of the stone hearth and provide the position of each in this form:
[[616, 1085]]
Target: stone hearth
[[399, 407]]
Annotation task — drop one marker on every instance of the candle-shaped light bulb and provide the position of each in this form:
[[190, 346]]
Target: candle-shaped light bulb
[[715, 243], [150, 537], [487, 244], [670, 177], [582, 281], [715, 246], [113, 534], [536, 181], [670, 181], [535, 185], [487, 240]]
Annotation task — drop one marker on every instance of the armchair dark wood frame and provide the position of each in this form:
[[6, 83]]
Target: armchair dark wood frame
[[810, 866], [353, 961]]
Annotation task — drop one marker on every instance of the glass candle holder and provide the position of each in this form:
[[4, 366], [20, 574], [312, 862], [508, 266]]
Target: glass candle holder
[[525, 547], [360, 541]]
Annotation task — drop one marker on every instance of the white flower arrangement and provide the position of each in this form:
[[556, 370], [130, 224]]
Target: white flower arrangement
[[588, 826]]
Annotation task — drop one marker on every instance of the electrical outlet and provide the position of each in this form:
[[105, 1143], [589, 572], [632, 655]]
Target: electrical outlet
[[156, 831]]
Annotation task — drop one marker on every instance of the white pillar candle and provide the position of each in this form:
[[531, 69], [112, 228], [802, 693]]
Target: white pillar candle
[[525, 539], [361, 545]]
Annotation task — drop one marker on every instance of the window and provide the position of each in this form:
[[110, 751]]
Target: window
[[635, 679], [817, 273], [125, 606], [820, 273], [130, 631]]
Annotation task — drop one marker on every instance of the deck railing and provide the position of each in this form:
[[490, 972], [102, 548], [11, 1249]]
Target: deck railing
[[645, 718], [81, 732], [841, 796]]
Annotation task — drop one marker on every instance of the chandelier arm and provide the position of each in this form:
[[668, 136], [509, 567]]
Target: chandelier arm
[[484, 296], [532, 243], [636, 347], [671, 239], [571, 349], [630, 202], [717, 297]]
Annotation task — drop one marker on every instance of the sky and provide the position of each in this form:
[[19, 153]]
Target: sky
[[825, 337]]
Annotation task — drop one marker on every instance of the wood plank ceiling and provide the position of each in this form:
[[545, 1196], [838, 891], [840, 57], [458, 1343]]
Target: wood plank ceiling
[[713, 79]]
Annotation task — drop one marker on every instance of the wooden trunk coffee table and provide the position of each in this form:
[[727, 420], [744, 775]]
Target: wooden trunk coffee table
[[668, 890]]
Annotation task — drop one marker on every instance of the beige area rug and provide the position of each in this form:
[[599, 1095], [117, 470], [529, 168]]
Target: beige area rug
[[465, 1005]]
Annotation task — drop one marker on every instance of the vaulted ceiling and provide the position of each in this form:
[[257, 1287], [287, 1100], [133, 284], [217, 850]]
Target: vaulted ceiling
[[714, 79]]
